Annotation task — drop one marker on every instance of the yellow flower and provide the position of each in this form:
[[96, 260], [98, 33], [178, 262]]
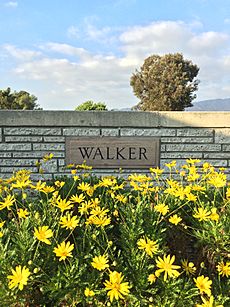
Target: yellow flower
[[175, 219], [1, 234], [39, 186], [7, 202], [69, 222], [152, 278], [47, 189], [161, 208], [100, 263], [157, 171], [202, 214], [84, 186], [116, 288], [21, 184], [2, 224], [208, 303], [224, 269], [89, 292], [167, 267], [47, 157], [19, 277], [214, 216], [63, 204], [98, 211], [171, 164], [192, 161], [43, 233], [59, 184], [149, 246], [22, 213], [188, 267], [203, 284], [191, 197], [99, 221], [107, 182], [64, 250], [84, 207], [123, 199], [77, 198], [218, 180]]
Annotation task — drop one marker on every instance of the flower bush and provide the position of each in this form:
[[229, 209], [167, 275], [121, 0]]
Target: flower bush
[[148, 240]]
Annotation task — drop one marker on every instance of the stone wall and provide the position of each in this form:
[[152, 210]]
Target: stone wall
[[26, 136]]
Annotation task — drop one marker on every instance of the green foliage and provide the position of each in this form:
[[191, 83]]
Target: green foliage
[[91, 106], [21, 100], [165, 83], [113, 216]]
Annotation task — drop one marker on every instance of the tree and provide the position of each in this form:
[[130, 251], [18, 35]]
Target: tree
[[17, 100], [91, 106], [165, 83]]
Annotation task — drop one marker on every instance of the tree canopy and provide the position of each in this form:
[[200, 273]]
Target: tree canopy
[[21, 100], [165, 83], [91, 106]]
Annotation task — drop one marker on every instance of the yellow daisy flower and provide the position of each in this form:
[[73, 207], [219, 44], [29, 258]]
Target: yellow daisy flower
[[19, 277], [208, 302], [175, 219], [89, 292], [22, 213], [7, 202], [100, 263], [64, 250], [202, 214], [149, 246], [69, 222], [188, 267], [152, 278], [162, 208], [116, 288], [224, 269], [43, 233], [63, 204], [203, 284], [167, 267]]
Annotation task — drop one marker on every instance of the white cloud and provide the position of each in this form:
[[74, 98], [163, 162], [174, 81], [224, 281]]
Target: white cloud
[[12, 4], [21, 54], [65, 75]]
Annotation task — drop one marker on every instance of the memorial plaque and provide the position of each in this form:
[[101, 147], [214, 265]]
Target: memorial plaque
[[114, 152]]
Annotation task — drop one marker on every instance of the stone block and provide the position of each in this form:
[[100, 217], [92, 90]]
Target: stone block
[[15, 139], [187, 140], [109, 132], [17, 162], [222, 136], [15, 147], [32, 131], [37, 154], [49, 147], [193, 147], [147, 132], [81, 131], [195, 132], [54, 139]]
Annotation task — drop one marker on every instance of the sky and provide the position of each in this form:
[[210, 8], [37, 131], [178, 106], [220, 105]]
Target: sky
[[68, 52]]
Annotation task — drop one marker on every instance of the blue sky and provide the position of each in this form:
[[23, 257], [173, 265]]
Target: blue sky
[[67, 52]]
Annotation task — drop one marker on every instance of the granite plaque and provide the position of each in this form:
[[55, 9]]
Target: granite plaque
[[114, 152]]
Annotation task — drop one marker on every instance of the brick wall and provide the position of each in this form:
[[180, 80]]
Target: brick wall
[[26, 136]]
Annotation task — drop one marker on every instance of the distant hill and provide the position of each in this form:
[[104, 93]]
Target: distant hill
[[211, 105], [204, 105]]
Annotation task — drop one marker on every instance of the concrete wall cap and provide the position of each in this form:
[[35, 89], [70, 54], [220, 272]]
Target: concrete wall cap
[[13, 118]]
